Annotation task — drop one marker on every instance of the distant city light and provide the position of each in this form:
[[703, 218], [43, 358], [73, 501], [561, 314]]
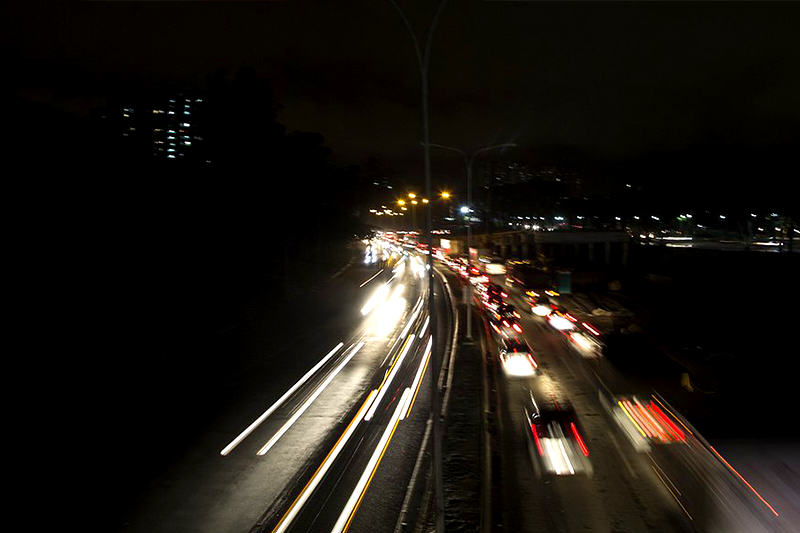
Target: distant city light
[[722, 217], [465, 209], [617, 218], [654, 217], [635, 217]]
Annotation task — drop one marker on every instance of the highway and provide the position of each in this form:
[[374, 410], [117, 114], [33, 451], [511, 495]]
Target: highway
[[665, 479], [327, 432], [333, 445]]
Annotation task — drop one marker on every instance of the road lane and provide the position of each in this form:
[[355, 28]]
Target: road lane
[[674, 487], [207, 491]]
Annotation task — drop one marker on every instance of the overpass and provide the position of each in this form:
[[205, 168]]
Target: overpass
[[578, 248]]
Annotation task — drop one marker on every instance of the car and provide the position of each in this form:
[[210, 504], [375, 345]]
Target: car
[[539, 304], [555, 438], [586, 340], [507, 327], [561, 320], [508, 311], [516, 357], [475, 276], [496, 290], [504, 319], [491, 302]]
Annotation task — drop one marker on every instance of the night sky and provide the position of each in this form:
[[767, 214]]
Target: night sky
[[606, 81]]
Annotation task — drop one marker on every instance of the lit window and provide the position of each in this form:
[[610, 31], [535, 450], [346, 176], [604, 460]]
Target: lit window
[[185, 124], [171, 112], [187, 143], [171, 150]]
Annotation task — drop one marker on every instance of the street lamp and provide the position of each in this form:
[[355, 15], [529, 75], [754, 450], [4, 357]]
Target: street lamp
[[423, 55], [445, 195], [468, 160], [412, 195]]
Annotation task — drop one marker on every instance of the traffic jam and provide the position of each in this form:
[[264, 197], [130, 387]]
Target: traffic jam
[[557, 442], [558, 445]]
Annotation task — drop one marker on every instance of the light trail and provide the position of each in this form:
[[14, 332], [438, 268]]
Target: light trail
[[749, 486], [377, 297], [388, 380], [243, 435], [424, 326], [415, 385], [316, 477], [350, 508], [276, 437], [370, 279]]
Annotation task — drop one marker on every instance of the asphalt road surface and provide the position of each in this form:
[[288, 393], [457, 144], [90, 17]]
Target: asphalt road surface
[[327, 441]]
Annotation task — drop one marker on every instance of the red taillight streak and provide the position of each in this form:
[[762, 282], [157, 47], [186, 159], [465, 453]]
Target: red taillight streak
[[504, 295], [536, 438], [533, 362], [570, 317], [505, 323], [662, 434], [584, 449], [670, 424], [743, 480], [517, 328]]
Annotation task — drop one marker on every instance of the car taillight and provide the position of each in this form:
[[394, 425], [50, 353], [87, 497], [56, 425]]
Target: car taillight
[[536, 438], [517, 328], [578, 438]]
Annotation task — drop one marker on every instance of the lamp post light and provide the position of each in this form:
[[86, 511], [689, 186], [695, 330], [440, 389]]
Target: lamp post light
[[469, 159], [423, 55]]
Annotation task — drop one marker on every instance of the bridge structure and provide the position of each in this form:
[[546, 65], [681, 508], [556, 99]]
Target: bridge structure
[[562, 247]]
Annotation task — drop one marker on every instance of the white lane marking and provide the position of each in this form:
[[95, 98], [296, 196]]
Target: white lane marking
[[417, 309], [286, 521], [370, 279], [349, 509], [424, 326], [420, 371], [389, 379], [276, 437], [243, 435]]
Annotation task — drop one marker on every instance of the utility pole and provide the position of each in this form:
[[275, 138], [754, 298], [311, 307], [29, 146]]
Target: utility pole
[[423, 60], [469, 159]]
